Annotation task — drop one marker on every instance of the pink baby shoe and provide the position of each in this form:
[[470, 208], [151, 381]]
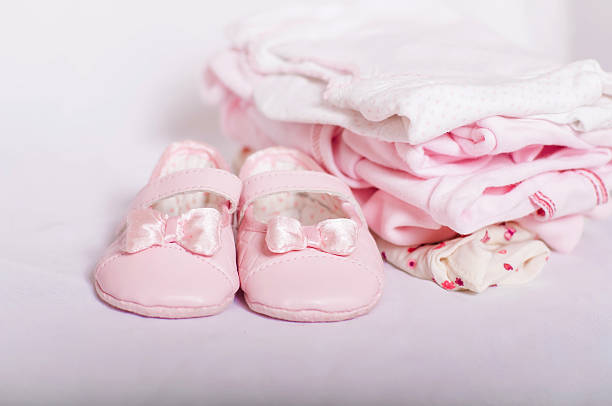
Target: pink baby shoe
[[304, 249], [175, 255]]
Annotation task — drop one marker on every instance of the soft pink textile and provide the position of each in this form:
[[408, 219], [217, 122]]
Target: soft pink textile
[[406, 209]]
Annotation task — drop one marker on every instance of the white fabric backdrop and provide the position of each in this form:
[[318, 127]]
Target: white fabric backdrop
[[90, 95]]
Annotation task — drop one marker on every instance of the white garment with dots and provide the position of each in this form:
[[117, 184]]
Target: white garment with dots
[[406, 73]]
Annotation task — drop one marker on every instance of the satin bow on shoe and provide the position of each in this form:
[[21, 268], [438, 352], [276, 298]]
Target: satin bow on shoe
[[335, 236], [197, 230]]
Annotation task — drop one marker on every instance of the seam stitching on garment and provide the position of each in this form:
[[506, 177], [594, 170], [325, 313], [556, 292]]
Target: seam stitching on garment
[[549, 200], [598, 184], [535, 199], [541, 198]]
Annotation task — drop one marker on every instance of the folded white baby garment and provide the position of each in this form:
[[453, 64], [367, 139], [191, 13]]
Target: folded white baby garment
[[406, 73]]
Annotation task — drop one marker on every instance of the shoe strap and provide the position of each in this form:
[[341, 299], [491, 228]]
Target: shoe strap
[[212, 180], [271, 182]]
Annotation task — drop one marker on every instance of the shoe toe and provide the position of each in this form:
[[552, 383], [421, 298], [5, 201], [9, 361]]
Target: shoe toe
[[313, 287], [165, 280]]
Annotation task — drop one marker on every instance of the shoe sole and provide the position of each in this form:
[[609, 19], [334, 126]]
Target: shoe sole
[[309, 315], [163, 312]]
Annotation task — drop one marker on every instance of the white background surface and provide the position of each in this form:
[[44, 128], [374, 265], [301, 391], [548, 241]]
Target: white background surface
[[91, 93]]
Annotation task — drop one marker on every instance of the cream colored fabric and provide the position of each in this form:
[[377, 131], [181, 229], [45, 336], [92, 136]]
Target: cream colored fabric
[[502, 254]]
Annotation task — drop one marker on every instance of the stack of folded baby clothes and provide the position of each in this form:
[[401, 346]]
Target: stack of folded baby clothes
[[464, 151]]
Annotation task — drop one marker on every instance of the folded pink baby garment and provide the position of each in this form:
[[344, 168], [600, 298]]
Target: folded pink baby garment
[[501, 254], [545, 182], [439, 126]]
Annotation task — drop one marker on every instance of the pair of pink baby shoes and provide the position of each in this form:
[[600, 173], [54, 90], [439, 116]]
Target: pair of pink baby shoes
[[303, 250]]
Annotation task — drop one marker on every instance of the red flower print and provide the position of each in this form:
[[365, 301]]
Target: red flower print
[[502, 252], [541, 212], [459, 282], [448, 285], [411, 263], [411, 249], [509, 233], [508, 267], [383, 255], [486, 237]]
